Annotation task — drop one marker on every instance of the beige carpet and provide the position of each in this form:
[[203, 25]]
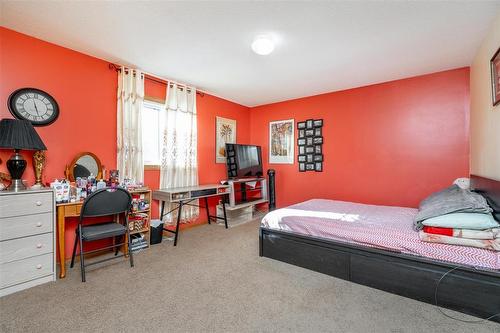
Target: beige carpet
[[214, 281]]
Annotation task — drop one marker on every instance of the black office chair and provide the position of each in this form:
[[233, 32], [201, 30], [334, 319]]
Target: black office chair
[[104, 202]]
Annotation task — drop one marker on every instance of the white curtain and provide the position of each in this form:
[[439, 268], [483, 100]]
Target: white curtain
[[179, 162], [129, 131]]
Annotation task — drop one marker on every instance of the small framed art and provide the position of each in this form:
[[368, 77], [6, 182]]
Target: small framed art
[[309, 149], [301, 125], [317, 140], [318, 123], [310, 167], [302, 158], [281, 141], [301, 142], [302, 167], [495, 77]]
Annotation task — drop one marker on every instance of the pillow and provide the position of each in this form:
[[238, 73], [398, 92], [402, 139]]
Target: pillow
[[450, 200], [474, 221]]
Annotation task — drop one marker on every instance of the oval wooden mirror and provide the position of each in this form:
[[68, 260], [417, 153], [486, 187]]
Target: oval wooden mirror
[[84, 165]]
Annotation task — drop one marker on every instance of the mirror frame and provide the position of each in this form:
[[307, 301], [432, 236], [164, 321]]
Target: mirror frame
[[69, 169]]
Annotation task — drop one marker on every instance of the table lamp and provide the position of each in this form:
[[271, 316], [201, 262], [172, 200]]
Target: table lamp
[[18, 134]]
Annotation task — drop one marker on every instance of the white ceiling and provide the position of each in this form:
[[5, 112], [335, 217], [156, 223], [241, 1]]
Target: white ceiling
[[321, 46]]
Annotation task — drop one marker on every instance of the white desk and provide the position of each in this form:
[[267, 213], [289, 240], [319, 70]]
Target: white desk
[[183, 196]]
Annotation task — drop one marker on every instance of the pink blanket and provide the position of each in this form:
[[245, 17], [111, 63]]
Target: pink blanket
[[384, 227]]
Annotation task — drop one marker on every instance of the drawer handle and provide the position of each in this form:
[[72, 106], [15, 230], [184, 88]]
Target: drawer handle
[[39, 246], [39, 224], [38, 203], [39, 266]]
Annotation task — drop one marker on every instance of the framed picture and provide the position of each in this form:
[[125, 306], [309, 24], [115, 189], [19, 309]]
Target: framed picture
[[309, 149], [309, 123], [310, 158], [309, 141], [318, 131], [302, 150], [310, 167], [309, 132], [318, 166], [495, 77], [281, 141], [318, 123], [302, 167], [302, 158], [225, 132], [318, 149], [301, 125], [302, 133], [301, 142], [318, 158], [318, 140]]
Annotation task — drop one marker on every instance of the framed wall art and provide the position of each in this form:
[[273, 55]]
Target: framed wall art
[[281, 141], [310, 143], [495, 77], [225, 132]]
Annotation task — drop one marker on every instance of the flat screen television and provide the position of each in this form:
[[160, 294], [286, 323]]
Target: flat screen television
[[243, 161]]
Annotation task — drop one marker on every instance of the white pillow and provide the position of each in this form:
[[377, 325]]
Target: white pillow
[[475, 221]]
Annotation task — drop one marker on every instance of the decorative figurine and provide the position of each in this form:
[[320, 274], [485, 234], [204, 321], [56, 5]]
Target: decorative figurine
[[38, 165]]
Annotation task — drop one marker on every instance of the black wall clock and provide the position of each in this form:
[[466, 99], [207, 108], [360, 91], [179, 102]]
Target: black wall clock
[[34, 105]]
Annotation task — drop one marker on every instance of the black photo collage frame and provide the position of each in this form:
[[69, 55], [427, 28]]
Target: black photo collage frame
[[310, 143]]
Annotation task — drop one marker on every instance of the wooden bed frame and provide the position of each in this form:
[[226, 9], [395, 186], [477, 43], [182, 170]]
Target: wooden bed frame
[[468, 290]]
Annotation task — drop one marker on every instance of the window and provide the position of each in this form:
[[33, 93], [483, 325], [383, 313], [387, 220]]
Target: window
[[151, 135]]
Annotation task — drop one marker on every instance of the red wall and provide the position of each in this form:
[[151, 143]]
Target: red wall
[[85, 89], [208, 108], [391, 143]]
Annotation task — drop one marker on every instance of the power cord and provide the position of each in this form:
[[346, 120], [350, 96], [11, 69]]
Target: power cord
[[447, 315]]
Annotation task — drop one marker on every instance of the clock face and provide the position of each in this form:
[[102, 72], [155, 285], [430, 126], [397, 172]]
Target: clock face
[[34, 105]]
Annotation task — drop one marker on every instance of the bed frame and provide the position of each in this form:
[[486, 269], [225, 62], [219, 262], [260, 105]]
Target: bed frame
[[468, 290]]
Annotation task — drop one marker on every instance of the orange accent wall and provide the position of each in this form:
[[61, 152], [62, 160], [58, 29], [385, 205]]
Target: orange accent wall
[[391, 143], [85, 89], [208, 108]]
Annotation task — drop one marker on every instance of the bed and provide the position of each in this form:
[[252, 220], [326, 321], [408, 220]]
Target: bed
[[388, 255]]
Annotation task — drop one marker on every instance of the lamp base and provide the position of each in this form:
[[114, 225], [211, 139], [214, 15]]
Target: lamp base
[[16, 166], [16, 185]]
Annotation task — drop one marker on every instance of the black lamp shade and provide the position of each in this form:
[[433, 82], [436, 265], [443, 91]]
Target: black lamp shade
[[19, 134]]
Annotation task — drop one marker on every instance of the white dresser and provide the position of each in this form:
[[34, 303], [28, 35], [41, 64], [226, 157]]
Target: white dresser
[[27, 239]]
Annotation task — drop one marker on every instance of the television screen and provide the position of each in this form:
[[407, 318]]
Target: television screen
[[243, 161]]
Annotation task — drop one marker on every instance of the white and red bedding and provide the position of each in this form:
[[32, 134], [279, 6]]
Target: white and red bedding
[[384, 227]]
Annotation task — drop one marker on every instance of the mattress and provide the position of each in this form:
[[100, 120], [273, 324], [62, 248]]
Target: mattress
[[383, 227]]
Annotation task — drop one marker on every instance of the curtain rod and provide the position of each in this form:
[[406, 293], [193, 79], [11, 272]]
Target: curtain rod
[[156, 79]]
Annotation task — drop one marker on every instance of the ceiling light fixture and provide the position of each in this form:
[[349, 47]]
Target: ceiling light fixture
[[262, 45]]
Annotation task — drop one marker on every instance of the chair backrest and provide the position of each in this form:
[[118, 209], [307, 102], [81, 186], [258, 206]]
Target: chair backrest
[[107, 201]]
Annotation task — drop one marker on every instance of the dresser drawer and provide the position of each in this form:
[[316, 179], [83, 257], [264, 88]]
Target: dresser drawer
[[22, 226], [26, 204], [22, 248], [26, 269]]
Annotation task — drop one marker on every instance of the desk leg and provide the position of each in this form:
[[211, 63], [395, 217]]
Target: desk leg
[[162, 210], [208, 211], [178, 223], [224, 210], [60, 241]]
